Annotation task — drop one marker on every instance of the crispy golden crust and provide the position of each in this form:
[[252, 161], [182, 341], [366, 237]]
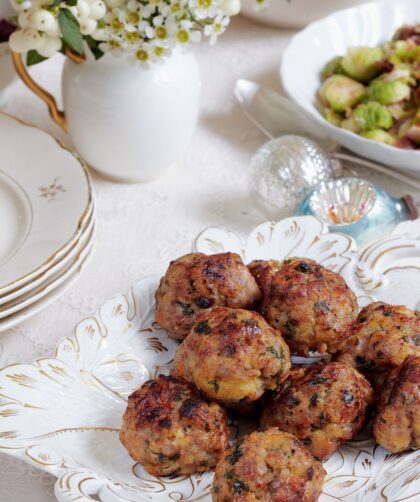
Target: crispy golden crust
[[397, 423], [233, 356], [323, 405], [169, 429], [312, 306], [262, 271], [383, 337], [268, 466], [196, 282]]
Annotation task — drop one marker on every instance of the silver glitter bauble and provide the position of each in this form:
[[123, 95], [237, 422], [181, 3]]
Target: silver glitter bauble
[[285, 170]]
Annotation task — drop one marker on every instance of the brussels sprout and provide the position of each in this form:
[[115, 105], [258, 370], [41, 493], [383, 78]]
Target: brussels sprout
[[371, 116], [360, 63], [341, 93], [333, 117], [333, 67], [381, 136], [350, 125], [388, 93]]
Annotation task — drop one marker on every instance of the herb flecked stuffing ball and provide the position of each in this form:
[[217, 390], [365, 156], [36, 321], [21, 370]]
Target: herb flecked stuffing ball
[[312, 306], [383, 337], [171, 430], [233, 356], [268, 466], [397, 423], [197, 282], [323, 405]]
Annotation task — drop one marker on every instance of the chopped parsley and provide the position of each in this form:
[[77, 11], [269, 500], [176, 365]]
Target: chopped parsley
[[276, 353]]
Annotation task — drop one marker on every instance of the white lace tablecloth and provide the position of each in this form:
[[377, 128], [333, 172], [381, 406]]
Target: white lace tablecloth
[[141, 227]]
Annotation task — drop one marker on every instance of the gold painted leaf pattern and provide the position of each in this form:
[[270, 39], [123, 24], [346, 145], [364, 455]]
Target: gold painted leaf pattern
[[64, 414]]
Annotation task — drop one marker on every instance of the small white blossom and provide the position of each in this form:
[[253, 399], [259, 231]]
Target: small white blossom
[[97, 10], [51, 46], [88, 26], [83, 8], [216, 28], [24, 19], [204, 9], [145, 30], [42, 20]]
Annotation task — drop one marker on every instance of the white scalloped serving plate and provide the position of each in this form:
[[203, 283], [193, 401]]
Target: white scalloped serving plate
[[62, 414]]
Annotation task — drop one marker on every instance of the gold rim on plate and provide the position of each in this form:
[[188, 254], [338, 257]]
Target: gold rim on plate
[[54, 258], [54, 291], [17, 292]]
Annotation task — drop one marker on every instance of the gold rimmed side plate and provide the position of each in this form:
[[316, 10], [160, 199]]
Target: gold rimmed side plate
[[48, 202]]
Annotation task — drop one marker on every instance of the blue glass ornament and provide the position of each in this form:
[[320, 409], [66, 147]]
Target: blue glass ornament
[[356, 207]]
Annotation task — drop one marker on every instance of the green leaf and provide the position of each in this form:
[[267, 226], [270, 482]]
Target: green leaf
[[71, 3], [94, 47], [71, 30], [34, 58]]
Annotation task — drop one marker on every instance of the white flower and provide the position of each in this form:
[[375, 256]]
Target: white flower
[[24, 19], [204, 9], [26, 40], [88, 26], [145, 30], [17, 42], [51, 46], [99, 34], [216, 28], [97, 10], [230, 7], [42, 20], [83, 8]]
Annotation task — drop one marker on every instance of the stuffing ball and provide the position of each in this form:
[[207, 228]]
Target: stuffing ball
[[397, 424], [233, 356], [269, 466], [312, 306], [197, 282], [383, 337], [171, 430], [323, 405]]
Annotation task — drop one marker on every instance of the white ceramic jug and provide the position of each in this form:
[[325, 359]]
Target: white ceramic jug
[[127, 122]]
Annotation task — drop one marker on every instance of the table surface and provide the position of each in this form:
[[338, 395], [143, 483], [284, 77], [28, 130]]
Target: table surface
[[141, 227]]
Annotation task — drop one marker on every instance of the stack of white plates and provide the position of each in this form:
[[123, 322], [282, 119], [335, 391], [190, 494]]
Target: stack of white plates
[[47, 222]]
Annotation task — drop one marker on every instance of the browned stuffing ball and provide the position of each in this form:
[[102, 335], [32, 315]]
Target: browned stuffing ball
[[233, 356], [397, 424], [312, 306], [323, 405], [196, 282], [268, 466], [383, 337], [171, 430]]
